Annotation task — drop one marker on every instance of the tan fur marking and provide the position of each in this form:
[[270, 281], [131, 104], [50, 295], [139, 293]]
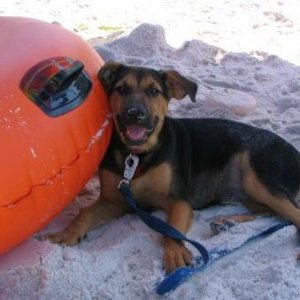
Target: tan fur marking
[[255, 188], [157, 106], [234, 218], [130, 80], [152, 188], [149, 82], [180, 215], [116, 103]]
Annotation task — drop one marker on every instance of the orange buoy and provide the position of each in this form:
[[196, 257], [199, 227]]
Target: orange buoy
[[54, 123]]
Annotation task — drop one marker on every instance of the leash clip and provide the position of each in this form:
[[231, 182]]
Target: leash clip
[[131, 163]]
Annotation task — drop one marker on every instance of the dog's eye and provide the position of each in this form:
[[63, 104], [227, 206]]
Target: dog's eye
[[153, 92], [122, 90]]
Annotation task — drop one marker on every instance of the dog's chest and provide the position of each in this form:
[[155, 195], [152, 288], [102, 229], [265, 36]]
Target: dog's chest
[[152, 188]]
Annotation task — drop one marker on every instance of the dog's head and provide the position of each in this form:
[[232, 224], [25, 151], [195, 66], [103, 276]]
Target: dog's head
[[139, 99]]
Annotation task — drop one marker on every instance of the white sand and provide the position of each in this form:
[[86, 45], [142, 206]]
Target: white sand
[[122, 260]]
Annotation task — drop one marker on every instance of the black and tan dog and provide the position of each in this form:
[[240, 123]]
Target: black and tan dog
[[185, 164]]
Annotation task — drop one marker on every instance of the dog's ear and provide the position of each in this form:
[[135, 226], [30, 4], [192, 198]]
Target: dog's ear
[[108, 75], [178, 86]]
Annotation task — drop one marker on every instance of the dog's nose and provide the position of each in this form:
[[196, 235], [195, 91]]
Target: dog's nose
[[136, 112]]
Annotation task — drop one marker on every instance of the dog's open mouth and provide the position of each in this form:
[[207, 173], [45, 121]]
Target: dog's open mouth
[[136, 134]]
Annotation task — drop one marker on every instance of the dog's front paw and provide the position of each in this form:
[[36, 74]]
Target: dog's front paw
[[66, 237], [176, 255]]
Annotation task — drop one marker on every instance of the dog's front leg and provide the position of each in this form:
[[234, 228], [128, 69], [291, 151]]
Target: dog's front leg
[[109, 206], [91, 217], [176, 255]]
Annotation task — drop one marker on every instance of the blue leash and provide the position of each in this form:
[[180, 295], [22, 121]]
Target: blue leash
[[178, 276], [173, 280]]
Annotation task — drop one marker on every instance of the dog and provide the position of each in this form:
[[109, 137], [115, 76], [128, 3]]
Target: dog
[[185, 164]]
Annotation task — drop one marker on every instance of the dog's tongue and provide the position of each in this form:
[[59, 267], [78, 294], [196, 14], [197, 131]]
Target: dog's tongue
[[136, 133]]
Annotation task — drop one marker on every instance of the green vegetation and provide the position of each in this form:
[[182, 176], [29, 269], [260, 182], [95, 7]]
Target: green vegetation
[[110, 28], [82, 26]]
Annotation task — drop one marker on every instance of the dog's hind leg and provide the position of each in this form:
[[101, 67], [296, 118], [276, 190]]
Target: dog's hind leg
[[261, 194], [223, 223]]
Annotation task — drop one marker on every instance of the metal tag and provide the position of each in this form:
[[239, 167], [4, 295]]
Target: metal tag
[[131, 163]]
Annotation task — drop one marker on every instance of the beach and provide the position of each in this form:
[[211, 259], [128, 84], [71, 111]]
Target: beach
[[245, 59]]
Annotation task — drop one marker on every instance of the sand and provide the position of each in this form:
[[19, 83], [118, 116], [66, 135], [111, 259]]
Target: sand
[[245, 60]]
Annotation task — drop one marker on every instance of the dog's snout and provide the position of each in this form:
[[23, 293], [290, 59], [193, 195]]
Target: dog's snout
[[136, 112]]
